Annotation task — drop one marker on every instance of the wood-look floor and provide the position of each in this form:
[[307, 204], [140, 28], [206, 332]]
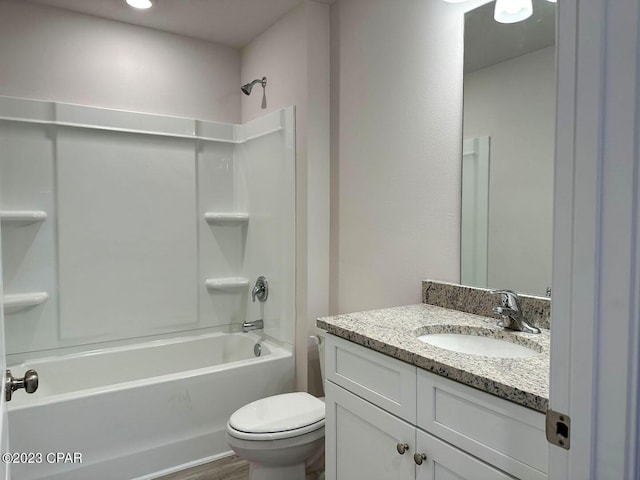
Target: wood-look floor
[[229, 468]]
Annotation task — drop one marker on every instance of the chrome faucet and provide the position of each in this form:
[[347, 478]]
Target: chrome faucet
[[511, 312], [261, 289], [248, 326]]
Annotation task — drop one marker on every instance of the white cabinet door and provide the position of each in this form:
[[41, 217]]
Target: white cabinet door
[[362, 440], [445, 462]]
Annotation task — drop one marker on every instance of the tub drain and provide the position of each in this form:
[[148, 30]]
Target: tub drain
[[257, 349]]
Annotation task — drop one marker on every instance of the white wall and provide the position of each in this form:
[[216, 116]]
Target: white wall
[[279, 54], [513, 102], [294, 56], [57, 55], [396, 149]]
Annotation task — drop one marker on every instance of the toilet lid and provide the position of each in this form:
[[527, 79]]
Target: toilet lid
[[280, 413]]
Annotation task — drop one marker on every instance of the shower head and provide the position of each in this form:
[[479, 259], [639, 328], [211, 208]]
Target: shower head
[[246, 89]]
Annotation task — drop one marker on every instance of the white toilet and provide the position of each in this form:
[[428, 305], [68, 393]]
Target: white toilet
[[282, 437]]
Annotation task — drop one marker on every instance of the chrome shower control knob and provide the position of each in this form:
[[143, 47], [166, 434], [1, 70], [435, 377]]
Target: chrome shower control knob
[[29, 382], [402, 447], [419, 458], [261, 289]]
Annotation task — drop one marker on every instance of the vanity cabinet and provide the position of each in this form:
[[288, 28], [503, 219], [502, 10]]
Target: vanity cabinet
[[364, 442], [381, 412], [363, 439]]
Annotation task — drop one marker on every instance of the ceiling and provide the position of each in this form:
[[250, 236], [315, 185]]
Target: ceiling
[[236, 22], [228, 22], [487, 42]]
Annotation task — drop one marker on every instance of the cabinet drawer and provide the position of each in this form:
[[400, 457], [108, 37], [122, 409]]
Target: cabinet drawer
[[446, 462], [384, 381], [506, 435]]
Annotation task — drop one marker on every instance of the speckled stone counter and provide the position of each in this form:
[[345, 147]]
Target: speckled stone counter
[[394, 332]]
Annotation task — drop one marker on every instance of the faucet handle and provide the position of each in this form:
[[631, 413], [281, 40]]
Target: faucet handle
[[510, 298], [261, 289], [511, 312], [503, 291]]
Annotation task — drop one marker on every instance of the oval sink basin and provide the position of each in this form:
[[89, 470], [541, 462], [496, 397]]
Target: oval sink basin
[[476, 345]]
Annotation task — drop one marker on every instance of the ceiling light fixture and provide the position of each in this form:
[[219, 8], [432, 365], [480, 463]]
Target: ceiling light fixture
[[140, 4], [512, 11]]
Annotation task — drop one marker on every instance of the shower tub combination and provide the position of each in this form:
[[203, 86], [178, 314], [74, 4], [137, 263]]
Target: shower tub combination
[[106, 263], [144, 410]]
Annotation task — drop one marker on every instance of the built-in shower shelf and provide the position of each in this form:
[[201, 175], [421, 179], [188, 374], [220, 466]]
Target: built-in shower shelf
[[21, 301], [226, 283], [22, 217], [216, 217]]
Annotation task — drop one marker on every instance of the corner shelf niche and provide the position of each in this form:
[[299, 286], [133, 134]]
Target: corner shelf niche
[[220, 217], [226, 283], [22, 217], [22, 301]]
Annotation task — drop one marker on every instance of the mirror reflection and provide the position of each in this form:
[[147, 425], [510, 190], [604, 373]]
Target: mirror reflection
[[508, 151]]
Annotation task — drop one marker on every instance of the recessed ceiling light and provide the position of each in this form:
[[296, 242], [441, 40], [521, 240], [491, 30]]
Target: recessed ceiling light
[[141, 4]]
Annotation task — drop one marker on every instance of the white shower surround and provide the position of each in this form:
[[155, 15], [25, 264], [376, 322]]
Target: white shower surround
[[128, 247]]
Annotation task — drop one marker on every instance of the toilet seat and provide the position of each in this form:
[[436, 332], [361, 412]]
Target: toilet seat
[[278, 417]]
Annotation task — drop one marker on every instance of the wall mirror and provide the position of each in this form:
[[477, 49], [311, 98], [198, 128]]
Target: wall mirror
[[508, 150]]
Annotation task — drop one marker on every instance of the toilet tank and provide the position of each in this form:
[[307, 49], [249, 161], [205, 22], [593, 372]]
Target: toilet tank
[[317, 340], [321, 344]]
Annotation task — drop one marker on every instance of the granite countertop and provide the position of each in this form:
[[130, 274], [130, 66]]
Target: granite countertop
[[394, 332]]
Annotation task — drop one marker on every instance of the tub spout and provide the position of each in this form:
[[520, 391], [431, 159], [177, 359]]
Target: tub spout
[[248, 326]]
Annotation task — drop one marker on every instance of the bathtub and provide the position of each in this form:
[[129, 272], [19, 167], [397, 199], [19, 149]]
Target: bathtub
[[140, 411]]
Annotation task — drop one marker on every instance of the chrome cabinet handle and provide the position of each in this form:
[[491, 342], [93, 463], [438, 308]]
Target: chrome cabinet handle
[[402, 447], [29, 382], [419, 458]]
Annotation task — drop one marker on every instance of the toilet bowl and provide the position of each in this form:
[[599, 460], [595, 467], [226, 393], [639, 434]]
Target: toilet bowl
[[282, 436]]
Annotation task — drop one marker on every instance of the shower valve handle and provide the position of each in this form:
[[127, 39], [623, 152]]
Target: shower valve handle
[[29, 382], [261, 289]]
